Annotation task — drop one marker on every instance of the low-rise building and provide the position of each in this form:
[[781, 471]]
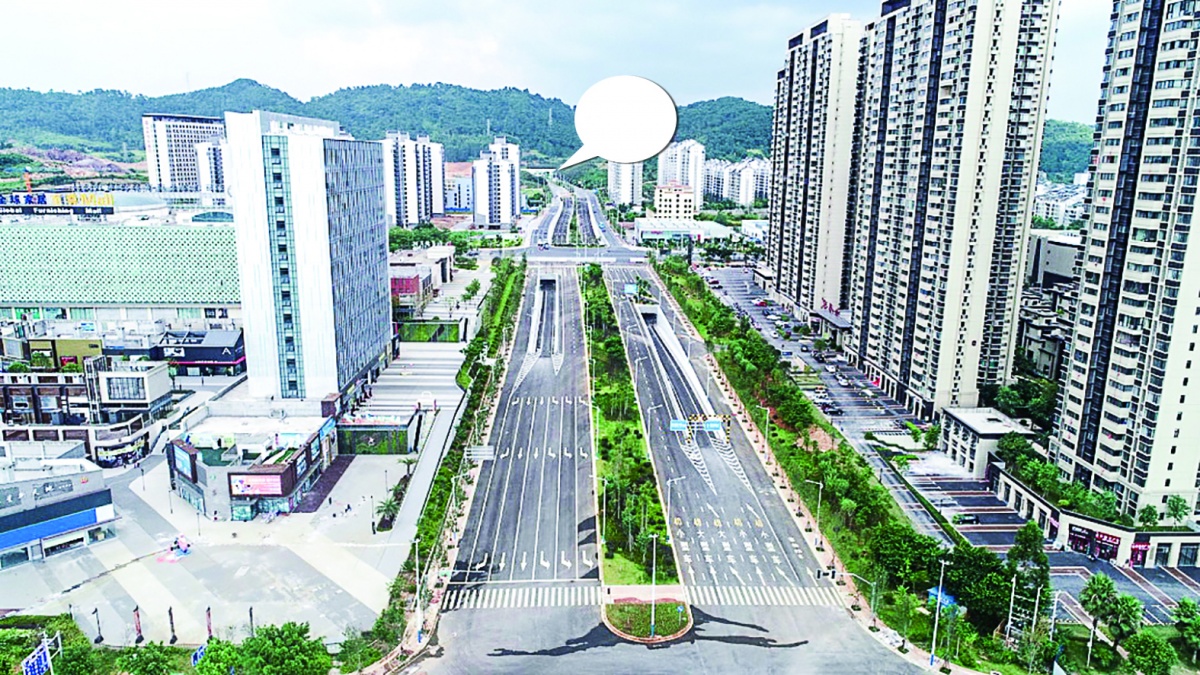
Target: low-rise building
[[109, 407], [240, 467], [202, 353], [675, 202], [1051, 256], [970, 436], [668, 230], [1044, 327], [52, 499], [1064, 204]]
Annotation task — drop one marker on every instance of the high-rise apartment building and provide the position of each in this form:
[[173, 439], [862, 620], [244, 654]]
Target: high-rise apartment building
[[950, 99], [496, 185], [210, 166], [739, 182], [716, 173], [308, 203], [415, 179], [812, 158], [172, 159], [1128, 416], [746, 181], [625, 183], [683, 163], [674, 202]]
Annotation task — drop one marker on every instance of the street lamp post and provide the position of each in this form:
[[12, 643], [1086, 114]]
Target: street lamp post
[[668, 518], [767, 432], [873, 594], [820, 490], [653, 579], [143, 470], [371, 515], [604, 514], [937, 612], [420, 619]]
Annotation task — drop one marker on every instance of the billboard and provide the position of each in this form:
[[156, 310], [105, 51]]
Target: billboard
[[252, 485], [57, 203]]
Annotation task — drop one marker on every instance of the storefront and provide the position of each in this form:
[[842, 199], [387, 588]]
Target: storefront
[[1138, 552], [61, 526]]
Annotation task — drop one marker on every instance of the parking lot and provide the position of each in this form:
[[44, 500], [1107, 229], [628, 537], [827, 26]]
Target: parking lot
[[859, 407], [957, 494]]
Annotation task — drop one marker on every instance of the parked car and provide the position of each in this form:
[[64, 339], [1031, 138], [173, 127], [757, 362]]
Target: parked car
[[804, 348], [835, 411], [966, 519], [831, 368]]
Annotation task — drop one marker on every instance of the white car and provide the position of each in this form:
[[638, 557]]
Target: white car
[[831, 369]]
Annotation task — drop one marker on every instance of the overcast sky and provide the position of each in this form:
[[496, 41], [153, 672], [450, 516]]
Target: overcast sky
[[696, 49]]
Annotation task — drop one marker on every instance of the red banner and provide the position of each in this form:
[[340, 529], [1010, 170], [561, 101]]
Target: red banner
[[137, 622]]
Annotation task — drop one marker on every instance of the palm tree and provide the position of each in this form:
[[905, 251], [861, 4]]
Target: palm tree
[[1124, 618], [408, 461], [1097, 598], [388, 509]]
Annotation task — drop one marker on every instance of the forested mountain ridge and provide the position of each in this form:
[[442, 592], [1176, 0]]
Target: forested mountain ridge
[[104, 121], [1066, 149], [463, 119]]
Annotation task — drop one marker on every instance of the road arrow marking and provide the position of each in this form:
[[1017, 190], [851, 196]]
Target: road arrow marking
[[502, 556], [524, 554], [587, 562], [565, 562], [542, 560], [566, 453], [484, 563]]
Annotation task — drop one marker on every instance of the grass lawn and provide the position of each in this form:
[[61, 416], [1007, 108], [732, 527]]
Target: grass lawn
[[634, 618], [621, 571]]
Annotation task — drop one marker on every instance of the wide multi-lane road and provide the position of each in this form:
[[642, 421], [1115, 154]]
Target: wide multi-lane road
[[756, 605], [533, 515], [735, 539]]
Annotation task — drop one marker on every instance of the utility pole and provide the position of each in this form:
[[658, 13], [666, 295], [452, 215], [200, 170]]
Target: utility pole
[[820, 489], [937, 612], [1011, 600], [653, 578], [420, 619]]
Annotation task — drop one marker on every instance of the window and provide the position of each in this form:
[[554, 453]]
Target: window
[[126, 389]]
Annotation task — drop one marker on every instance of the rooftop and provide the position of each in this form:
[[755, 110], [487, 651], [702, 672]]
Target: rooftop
[[209, 338], [25, 460], [987, 422], [253, 430], [1065, 237]]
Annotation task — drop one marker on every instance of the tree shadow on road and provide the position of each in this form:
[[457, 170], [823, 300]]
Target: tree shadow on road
[[600, 636]]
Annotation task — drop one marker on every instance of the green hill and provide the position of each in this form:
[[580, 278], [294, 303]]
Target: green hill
[[1066, 149], [459, 117]]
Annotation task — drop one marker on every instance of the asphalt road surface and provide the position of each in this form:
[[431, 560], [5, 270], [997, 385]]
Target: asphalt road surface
[[732, 532], [533, 518]]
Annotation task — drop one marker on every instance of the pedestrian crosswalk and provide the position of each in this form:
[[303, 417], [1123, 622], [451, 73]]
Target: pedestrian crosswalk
[[498, 596], [761, 596], [502, 596]]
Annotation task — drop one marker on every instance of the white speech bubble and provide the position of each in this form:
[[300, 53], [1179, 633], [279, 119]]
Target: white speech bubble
[[623, 119]]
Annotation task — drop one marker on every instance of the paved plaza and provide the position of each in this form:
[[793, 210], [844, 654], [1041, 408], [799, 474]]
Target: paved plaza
[[325, 568]]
